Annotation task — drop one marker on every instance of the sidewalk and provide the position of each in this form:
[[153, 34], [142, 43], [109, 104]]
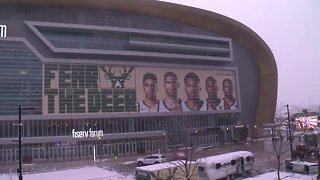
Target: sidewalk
[[122, 164]]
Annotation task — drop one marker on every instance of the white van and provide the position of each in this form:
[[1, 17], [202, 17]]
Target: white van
[[225, 165]]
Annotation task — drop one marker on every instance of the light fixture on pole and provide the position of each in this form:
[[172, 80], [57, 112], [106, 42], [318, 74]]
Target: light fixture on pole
[[20, 144]]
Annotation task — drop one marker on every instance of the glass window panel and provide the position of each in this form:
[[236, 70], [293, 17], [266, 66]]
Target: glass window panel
[[21, 79]]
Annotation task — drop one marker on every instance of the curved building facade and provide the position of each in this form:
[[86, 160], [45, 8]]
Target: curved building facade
[[127, 77]]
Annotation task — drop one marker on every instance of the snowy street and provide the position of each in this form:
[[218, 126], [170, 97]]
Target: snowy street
[[124, 167]]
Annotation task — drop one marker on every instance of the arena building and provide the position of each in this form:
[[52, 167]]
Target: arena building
[[127, 77]]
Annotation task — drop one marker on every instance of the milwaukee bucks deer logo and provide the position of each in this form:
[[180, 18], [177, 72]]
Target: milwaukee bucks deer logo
[[117, 81]]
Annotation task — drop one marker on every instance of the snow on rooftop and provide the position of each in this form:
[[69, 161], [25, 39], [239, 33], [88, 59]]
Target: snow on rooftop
[[160, 166], [85, 173], [304, 163], [225, 158]]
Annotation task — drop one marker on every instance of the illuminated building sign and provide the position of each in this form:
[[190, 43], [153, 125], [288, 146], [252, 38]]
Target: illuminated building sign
[[307, 122], [87, 134], [3, 30]]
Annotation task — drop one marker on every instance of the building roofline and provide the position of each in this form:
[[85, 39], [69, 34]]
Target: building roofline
[[210, 21]]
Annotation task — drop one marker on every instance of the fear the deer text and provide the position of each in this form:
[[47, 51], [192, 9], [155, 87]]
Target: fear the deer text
[[78, 89]]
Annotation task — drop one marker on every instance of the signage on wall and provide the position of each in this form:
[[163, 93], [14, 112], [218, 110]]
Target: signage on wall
[[3, 30], [87, 134]]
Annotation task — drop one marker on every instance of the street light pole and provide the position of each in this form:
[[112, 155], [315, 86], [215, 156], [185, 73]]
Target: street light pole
[[290, 134], [318, 156], [20, 142], [20, 157]]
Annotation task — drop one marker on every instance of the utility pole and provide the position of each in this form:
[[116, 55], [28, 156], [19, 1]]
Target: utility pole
[[290, 133], [318, 176], [20, 141]]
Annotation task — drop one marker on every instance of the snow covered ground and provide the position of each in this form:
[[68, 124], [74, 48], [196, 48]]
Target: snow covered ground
[[284, 176], [85, 173], [96, 173]]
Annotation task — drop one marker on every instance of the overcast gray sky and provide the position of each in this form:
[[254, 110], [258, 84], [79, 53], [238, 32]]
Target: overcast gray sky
[[291, 28]]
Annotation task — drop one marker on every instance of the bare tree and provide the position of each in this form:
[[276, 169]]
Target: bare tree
[[156, 176], [186, 157], [170, 175], [279, 114], [279, 149]]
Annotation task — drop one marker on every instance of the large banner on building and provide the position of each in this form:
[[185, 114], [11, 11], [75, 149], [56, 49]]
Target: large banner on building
[[105, 88]]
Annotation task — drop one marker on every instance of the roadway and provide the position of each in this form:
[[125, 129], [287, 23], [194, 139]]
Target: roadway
[[265, 159]]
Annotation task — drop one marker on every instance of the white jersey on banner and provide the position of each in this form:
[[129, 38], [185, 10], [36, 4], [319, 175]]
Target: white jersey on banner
[[233, 106], [202, 108], [142, 107]]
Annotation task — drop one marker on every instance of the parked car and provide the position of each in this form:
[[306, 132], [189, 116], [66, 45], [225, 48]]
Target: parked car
[[179, 156], [151, 159]]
